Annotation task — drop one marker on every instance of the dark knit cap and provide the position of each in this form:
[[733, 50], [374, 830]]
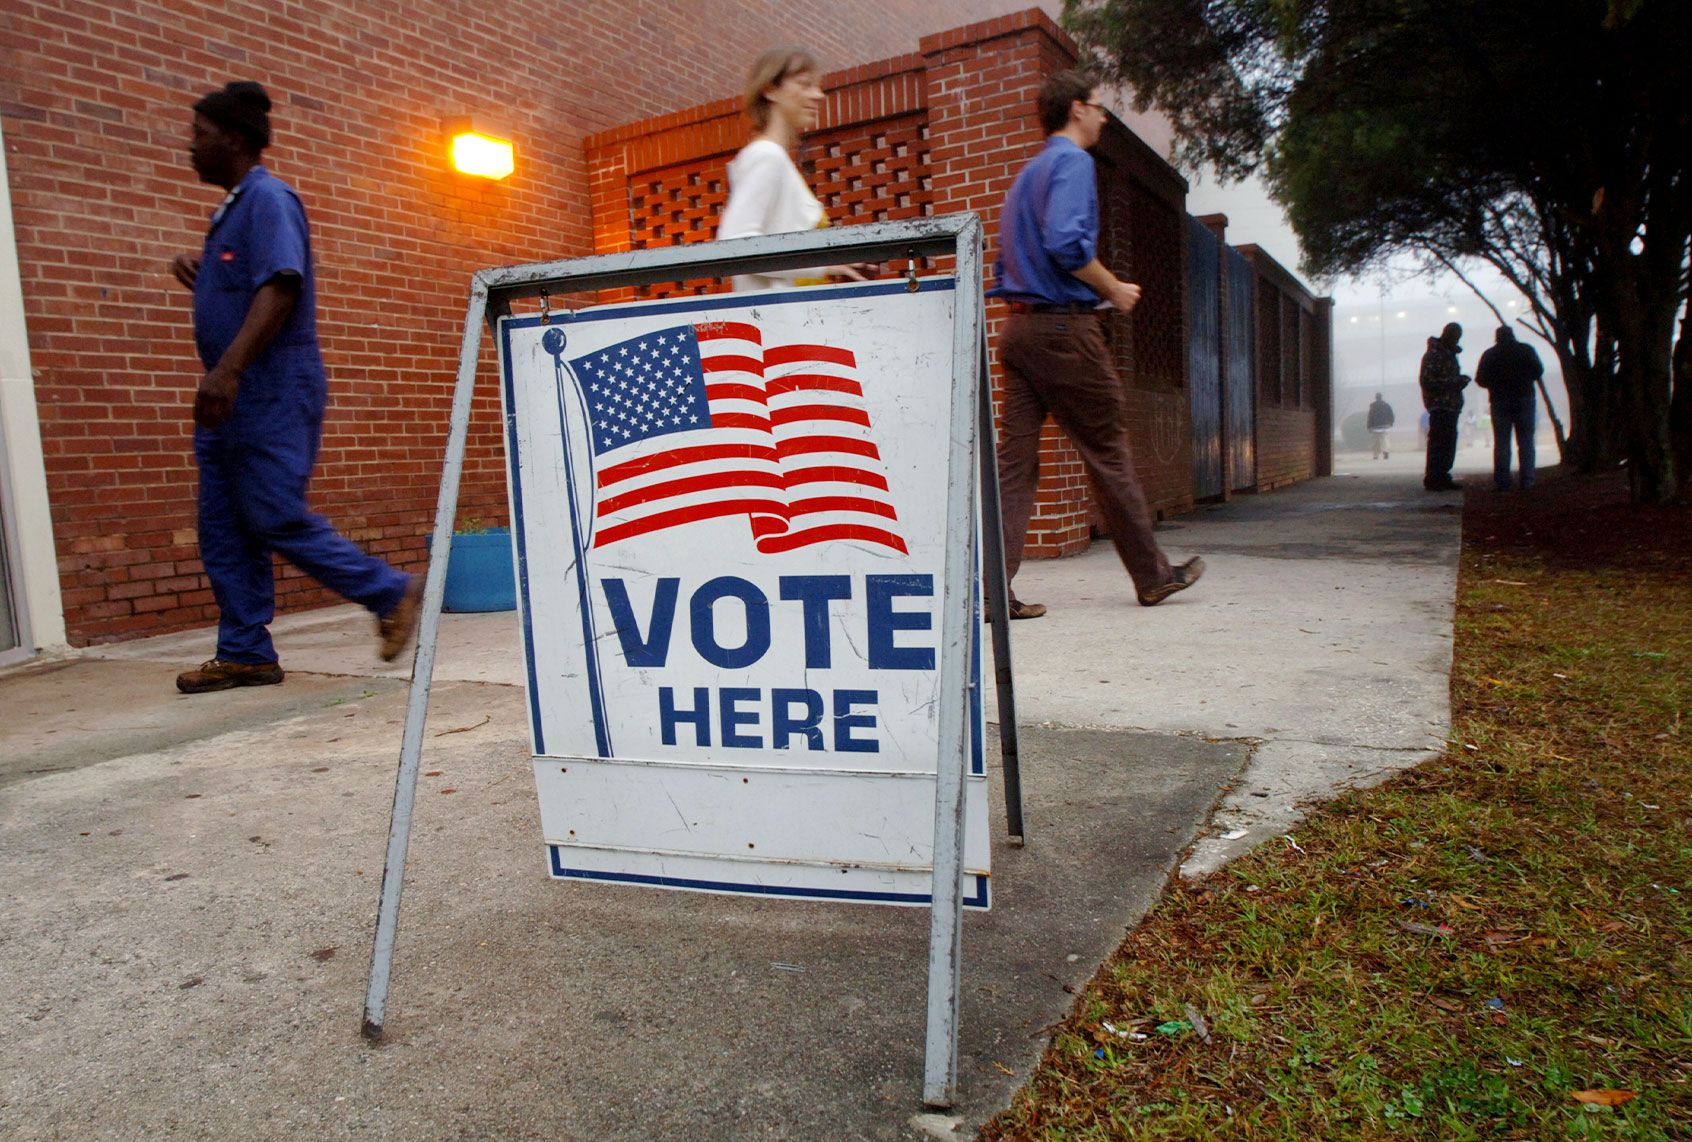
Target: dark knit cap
[[243, 107]]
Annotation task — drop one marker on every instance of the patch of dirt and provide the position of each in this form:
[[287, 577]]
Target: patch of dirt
[[1578, 521]]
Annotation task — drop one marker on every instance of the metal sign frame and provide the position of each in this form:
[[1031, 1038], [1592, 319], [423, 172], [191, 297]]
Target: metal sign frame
[[956, 235]]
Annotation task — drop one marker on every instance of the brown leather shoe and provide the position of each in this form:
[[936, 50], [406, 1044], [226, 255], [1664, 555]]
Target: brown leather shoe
[[1022, 610], [395, 629], [216, 674], [1185, 576]]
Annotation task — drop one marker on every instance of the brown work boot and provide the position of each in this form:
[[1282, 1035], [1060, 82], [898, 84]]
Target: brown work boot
[[216, 674], [1185, 576], [395, 629], [1020, 610]]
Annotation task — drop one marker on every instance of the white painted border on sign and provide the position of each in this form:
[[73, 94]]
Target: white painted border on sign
[[624, 797], [967, 440]]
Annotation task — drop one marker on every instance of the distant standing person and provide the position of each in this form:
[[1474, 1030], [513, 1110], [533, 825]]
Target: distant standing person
[[1508, 372], [1379, 424], [258, 412], [767, 194], [1442, 393], [1053, 348]]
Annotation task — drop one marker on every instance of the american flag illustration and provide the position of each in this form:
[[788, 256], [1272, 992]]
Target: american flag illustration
[[705, 421]]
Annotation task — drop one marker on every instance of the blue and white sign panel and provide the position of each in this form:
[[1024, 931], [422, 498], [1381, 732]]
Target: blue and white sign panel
[[730, 518]]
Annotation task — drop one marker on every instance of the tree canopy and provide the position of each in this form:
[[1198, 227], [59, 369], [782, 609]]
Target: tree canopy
[[1550, 138]]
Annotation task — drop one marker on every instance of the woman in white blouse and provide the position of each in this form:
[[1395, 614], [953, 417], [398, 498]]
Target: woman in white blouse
[[767, 194]]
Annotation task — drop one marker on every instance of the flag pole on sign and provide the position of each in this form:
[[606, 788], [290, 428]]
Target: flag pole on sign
[[554, 342]]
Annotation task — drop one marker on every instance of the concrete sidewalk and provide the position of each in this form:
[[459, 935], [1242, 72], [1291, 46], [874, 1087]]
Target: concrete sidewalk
[[186, 920]]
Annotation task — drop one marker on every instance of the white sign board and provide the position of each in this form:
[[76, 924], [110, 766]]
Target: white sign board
[[730, 520]]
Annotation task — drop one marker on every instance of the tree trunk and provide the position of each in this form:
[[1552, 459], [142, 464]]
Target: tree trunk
[[1645, 343], [1590, 377], [1680, 408], [1578, 453], [1585, 346], [1638, 277]]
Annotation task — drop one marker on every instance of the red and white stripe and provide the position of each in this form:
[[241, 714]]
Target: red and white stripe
[[727, 469], [832, 470]]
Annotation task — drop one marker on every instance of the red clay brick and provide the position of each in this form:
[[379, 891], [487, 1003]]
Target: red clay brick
[[100, 88]]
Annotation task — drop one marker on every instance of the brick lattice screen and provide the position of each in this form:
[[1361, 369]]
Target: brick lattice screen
[[676, 205], [874, 172], [943, 130], [96, 103], [1140, 231]]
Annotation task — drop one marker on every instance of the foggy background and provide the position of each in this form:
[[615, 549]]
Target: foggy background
[[1382, 323]]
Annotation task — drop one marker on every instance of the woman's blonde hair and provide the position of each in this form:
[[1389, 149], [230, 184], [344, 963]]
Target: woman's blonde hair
[[770, 69]]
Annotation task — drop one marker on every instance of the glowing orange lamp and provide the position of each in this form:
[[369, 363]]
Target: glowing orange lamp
[[476, 151]]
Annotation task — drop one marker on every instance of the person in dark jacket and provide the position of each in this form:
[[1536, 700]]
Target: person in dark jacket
[[1442, 394], [1379, 424], [1508, 372]]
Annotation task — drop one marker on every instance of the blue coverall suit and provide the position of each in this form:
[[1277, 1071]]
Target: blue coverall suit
[[254, 468]]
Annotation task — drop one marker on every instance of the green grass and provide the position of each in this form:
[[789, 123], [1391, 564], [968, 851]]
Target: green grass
[[1549, 851]]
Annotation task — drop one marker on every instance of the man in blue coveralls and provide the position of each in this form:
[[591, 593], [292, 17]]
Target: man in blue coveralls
[[259, 409], [1053, 347]]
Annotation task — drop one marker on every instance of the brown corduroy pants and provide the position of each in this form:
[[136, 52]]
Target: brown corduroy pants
[[1059, 364]]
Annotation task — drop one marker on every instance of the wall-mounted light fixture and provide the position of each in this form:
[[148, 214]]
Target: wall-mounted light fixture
[[475, 149]]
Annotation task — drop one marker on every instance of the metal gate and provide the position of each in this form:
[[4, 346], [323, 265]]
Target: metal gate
[[1204, 357], [1242, 372]]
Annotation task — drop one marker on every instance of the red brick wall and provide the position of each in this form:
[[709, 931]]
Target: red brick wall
[[963, 109], [94, 99], [981, 85], [1284, 454], [663, 181], [1294, 376]]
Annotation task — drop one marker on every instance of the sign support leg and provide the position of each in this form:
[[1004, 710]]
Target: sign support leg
[[422, 670], [998, 606], [957, 637]]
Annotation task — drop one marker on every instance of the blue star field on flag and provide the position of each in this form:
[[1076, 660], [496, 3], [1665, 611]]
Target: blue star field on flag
[[644, 387]]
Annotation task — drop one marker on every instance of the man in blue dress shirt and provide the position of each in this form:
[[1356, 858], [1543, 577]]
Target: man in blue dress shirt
[[1053, 347], [258, 412]]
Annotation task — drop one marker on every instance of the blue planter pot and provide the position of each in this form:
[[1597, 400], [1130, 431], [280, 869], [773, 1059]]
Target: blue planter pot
[[480, 576]]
